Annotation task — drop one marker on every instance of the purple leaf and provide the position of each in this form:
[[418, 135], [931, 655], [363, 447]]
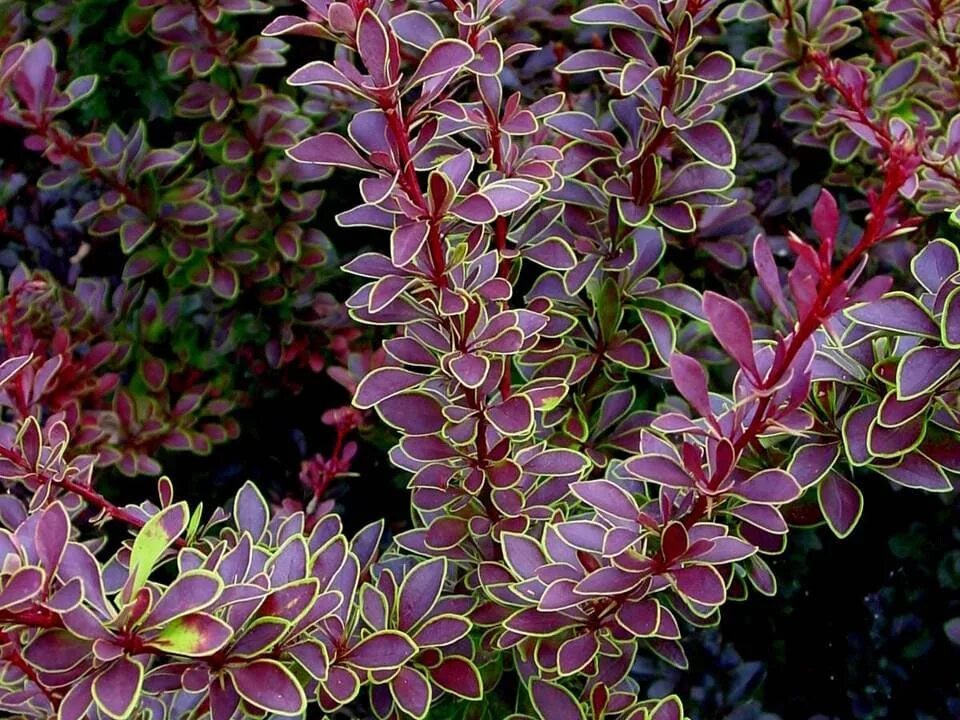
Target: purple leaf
[[841, 503], [470, 369], [411, 691], [116, 689], [659, 469], [610, 14], [917, 471], [11, 366], [445, 56], [711, 142], [384, 383], [328, 149], [642, 618], [826, 218], [856, 428], [477, 209], [415, 413], [898, 312], [700, 583], [811, 462], [250, 511], [373, 44], [556, 461], [268, 685], [950, 321], [937, 261], [523, 554], [575, 654], [77, 701], [405, 243], [691, 380], [553, 702], [383, 650], [607, 498], [311, 656], [731, 326], [923, 368], [441, 630], [894, 412], [53, 531], [459, 676], [531, 621], [189, 592], [342, 684], [416, 28], [761, 576], [608, 581], [513, 416], [770, 487], [765, 517], [57, 650], [420, 591], [589, 60], [767, 273], [20, 586], [724, 550], [885, 442], [715, 67]]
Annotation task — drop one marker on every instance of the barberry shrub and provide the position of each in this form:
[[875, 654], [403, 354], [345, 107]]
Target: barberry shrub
[[603, 443]]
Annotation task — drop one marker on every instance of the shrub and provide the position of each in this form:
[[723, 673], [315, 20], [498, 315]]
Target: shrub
[[603, 442]]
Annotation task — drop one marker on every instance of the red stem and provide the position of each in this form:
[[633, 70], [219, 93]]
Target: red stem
[[663, 134], [500, 228], [91, 496], [814, 318], [828, 74], [411, 184]]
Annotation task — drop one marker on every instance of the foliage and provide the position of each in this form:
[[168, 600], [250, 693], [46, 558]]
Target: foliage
[[616, 377], [217, 227]]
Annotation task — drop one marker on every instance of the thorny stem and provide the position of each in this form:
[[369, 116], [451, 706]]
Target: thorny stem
[[411, 184], [817, 314], [91, 496], [499, 226], [641, 192], [815, 317], [829, 75]]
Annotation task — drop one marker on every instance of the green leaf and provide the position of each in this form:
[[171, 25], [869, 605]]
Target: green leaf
[[153, 540], [194, 635], [608, 309]]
